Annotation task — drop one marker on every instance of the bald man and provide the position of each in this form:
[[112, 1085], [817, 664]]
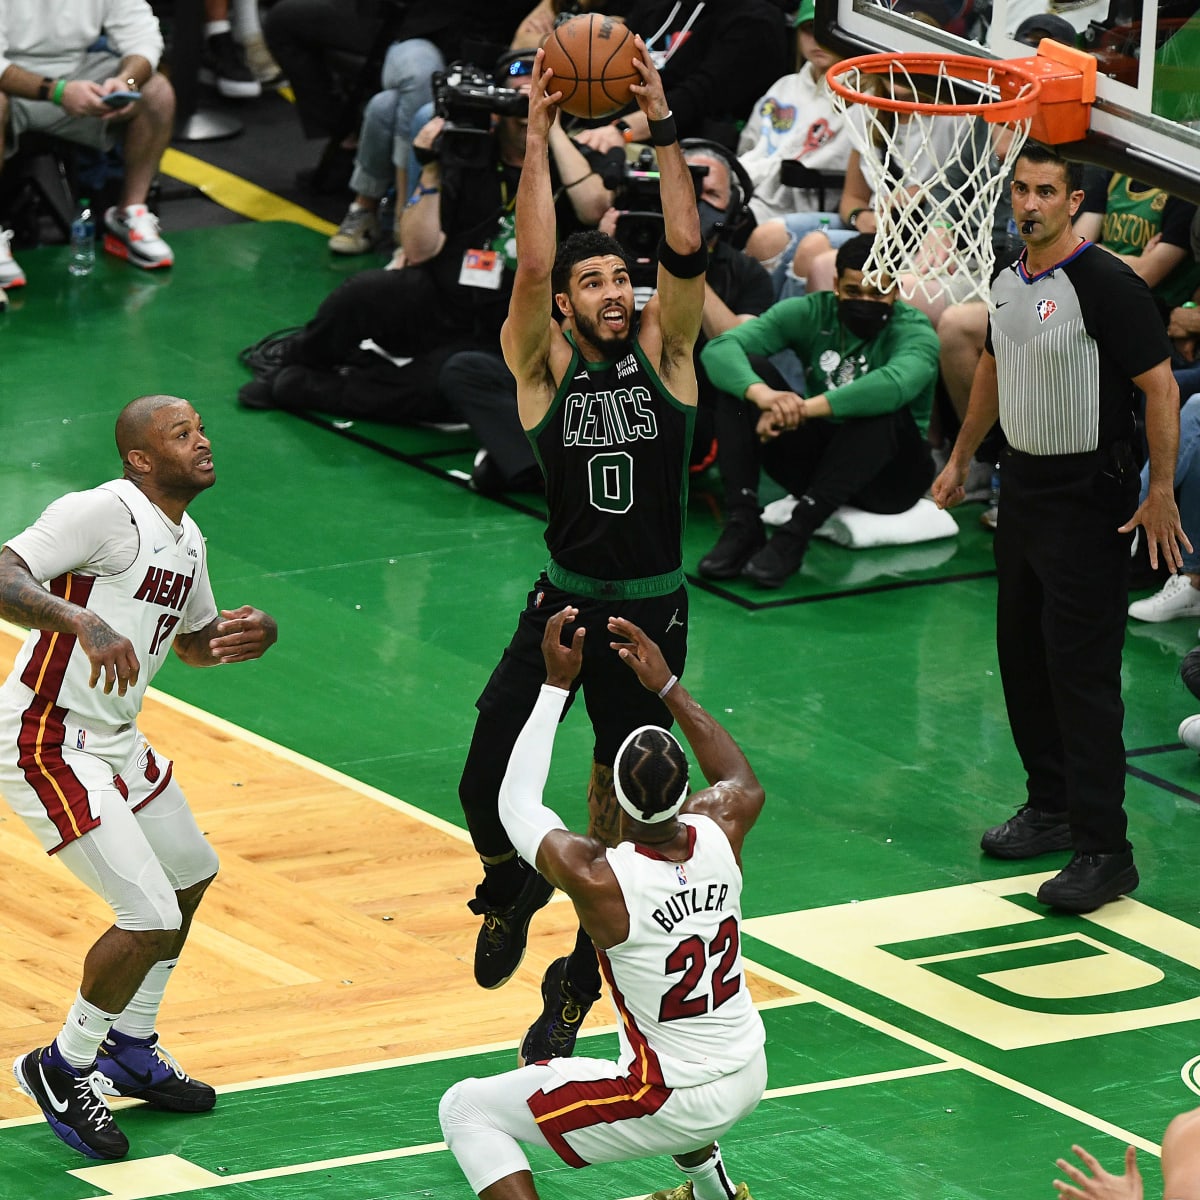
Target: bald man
[[108, 580]]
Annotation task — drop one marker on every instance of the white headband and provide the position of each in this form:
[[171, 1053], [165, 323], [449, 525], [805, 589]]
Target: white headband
[[624, 801]]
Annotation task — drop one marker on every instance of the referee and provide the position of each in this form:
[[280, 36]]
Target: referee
[[1073, 336]]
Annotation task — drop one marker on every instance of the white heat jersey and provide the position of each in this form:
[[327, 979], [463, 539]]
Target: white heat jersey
[[677, 983], [164, 591]]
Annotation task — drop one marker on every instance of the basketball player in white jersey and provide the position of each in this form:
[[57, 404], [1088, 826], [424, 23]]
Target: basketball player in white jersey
[[663, 909], [108, 580]]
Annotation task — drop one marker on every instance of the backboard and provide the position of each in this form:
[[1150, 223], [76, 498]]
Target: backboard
[[1146, 118]]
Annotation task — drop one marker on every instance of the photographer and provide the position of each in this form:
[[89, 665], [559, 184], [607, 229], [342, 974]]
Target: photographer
[[480, 387], [456, 234]]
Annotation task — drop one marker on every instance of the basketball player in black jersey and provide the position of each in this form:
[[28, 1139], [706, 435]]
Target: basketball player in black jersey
[[608, 402]]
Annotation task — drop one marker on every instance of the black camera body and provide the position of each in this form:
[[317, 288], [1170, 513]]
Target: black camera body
[[466, 97], [640, 222]]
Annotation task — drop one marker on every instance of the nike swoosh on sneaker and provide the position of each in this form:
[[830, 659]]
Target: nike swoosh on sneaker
[[55, 1103]]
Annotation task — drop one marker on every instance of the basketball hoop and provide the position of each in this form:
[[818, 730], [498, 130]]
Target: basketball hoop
[[936, 163]]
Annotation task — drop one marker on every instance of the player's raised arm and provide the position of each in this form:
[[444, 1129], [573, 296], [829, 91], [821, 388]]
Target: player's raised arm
[[683, 257], [525, 337]]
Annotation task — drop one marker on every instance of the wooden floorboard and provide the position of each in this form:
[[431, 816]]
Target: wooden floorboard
[[335, 934]]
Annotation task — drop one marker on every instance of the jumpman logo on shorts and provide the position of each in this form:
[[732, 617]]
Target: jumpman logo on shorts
[[673, 622]]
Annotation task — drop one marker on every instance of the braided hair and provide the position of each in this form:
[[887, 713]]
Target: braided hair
[[651, 774]]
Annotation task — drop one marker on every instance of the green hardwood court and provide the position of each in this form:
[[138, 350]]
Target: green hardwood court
[[950, 1037]]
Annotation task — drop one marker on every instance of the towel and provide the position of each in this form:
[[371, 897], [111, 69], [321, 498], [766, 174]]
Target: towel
[[853, 527]]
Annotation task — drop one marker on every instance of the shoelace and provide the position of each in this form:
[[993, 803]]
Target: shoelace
[[141, 226], [570, 1017], [90, 1094], [495, 930]]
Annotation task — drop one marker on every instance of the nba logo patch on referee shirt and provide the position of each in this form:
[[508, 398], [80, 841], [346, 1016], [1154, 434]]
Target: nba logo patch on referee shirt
[[1046, 309]]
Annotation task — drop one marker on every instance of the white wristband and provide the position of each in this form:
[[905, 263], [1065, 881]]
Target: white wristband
[[666, 687]]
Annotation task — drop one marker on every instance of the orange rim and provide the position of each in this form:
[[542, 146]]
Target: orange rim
[[1019, 90]]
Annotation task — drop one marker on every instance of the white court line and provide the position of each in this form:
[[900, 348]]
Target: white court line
[[292, 756], [804, 993]]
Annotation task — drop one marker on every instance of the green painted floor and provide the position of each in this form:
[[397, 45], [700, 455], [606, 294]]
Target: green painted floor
[[957, 1038]]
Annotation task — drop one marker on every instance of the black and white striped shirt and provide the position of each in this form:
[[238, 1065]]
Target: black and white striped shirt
[[1067, 342]]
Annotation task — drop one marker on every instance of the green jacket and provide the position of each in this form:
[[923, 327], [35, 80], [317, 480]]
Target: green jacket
[[894, 370]]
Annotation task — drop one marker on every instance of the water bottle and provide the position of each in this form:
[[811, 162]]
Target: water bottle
[[824, 225], [83, 240]]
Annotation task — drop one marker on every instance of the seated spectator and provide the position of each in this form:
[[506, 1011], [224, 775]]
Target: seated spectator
[[456, 233], [428, 37], [858, 435], [798, 248], [715, 59], [794, 122], [316, 43], [223, 62], [479, 388], [53, 81], [1180, 595]]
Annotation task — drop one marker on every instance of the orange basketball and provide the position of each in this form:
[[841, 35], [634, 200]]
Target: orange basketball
[[592, 58]]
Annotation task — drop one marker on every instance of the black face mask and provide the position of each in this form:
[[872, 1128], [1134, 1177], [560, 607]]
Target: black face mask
[[712, 219], [864, 318]]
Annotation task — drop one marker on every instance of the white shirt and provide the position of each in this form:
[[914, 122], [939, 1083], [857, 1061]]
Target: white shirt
[[114, 552], [52, 37]]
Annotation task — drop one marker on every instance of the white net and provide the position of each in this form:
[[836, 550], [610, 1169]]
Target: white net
[[936, 177]]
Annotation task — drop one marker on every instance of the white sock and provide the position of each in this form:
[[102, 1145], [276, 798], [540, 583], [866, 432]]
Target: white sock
[[212, 28], [85, 1028], [709, 1181], [141, 1013], [245, 20]]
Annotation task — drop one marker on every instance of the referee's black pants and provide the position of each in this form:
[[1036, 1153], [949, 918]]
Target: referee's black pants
[[1063, 575]]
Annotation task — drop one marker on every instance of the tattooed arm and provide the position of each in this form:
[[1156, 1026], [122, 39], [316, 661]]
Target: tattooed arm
[[25, 601]]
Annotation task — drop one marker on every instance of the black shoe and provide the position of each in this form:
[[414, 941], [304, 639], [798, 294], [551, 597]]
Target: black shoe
[[777, 561], [1090, 880], [256, 395], [500, 945], [742, 536], [72, 1103], [553, 1034], [141, 1068], [223, 66], [1032, 831]]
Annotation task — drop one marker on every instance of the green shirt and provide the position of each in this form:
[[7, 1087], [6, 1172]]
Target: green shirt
[[896, 369]]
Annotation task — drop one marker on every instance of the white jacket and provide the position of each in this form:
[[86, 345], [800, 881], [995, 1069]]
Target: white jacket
[[52, 39]]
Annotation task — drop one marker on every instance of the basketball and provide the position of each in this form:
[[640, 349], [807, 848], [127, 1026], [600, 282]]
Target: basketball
[[592, 59]]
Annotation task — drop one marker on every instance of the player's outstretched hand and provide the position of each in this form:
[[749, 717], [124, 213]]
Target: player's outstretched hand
[[563, 663], [543, 96], [640, 653], [651, 98], [243, 634], [1100, 1185]]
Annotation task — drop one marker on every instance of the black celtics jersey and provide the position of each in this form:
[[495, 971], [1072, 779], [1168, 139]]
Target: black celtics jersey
[[614, 449]]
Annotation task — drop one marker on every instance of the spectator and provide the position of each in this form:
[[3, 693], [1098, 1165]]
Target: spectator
[[857, 437], [456, 235], [478, 385], [1180, 595], [311, 41], [689, 1068], [1148, 229], [428, 37], [53, 81], [795, 122], [223, 62]]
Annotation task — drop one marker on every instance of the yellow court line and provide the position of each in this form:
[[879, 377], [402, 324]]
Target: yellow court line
[[239, 195]]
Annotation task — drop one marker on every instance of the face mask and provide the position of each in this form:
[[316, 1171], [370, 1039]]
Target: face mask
[[712, 219], [864, 318]]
